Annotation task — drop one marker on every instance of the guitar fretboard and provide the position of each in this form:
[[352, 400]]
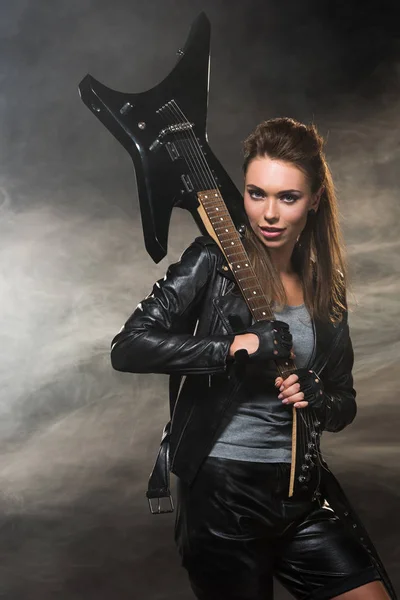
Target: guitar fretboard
[[235, 254], [239, 263]]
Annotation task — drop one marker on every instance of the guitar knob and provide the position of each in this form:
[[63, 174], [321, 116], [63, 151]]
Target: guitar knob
[[305, 467], [304, 480], [310, 445], [317, 423], [308, 456]]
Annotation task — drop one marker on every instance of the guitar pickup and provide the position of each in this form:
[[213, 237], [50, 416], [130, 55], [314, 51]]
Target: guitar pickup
[[172, 151], [187, 183]]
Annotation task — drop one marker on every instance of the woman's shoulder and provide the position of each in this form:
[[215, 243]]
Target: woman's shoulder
[[199, 259], [203, 248]]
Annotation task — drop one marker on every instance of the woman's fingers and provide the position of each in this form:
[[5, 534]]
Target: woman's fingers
[[289, 391], [285, 383], [296, 396], [303, 404], [297, 400]]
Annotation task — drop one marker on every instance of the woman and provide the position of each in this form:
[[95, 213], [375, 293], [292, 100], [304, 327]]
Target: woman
[[230, 433]]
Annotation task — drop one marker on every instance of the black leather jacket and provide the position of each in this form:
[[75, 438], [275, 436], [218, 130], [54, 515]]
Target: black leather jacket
[[199, 293], [185, 328]]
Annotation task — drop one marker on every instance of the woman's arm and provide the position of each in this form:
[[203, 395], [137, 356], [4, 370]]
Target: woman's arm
[[156, 338], [339, 407]]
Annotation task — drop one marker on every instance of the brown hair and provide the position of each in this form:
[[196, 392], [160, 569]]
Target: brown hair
[[318, 256]]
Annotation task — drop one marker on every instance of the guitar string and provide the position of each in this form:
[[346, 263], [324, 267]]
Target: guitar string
[[200, 154], [180, 136], [208, 184], [180, 140]]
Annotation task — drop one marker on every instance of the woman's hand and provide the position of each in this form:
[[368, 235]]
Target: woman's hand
[[264, 340], [302, 388]]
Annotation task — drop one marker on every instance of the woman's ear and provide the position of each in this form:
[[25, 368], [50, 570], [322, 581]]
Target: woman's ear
[[317, 198]]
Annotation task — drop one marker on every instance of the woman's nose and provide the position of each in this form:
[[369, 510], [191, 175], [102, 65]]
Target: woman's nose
[[271, 210]]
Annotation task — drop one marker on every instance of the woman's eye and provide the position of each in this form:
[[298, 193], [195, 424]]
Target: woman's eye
[[289, 198], [255, 194]]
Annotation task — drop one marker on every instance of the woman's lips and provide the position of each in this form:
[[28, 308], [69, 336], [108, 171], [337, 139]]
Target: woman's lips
[[271, 234]]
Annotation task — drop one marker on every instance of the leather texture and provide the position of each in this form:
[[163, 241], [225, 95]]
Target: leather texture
[[312, 387], [275, 340], [198, 294], [185, 328], [236, 529]]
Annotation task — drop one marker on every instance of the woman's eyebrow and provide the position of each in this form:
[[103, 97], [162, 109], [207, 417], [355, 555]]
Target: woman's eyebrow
[[258, 188]]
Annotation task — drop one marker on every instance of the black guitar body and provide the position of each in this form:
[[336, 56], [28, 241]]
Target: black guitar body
[[161, 129]]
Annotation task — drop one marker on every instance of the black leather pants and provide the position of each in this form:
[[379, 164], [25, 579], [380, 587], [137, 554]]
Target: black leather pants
[[236, 528]]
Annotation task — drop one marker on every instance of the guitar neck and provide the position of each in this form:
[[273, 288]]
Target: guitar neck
[[220, 226], [231, 245]]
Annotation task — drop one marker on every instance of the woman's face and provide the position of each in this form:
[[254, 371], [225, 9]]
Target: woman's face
[[277, 196]]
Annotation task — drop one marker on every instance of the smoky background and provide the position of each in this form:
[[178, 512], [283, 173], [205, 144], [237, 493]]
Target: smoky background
[[78, 440]]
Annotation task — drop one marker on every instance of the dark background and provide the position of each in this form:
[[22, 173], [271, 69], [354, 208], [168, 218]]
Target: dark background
[[77, 439]]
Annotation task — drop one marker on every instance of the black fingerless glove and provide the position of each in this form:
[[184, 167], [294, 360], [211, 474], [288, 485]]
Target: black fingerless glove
[[312, 387], [275, 340]]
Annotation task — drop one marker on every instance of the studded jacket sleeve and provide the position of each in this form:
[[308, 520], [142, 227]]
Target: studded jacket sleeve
[[157, 337]]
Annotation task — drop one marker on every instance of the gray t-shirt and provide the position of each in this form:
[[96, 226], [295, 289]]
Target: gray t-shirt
[[257, 426]]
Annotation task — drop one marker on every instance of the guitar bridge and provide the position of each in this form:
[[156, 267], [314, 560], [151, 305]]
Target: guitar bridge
[[170, 130]]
